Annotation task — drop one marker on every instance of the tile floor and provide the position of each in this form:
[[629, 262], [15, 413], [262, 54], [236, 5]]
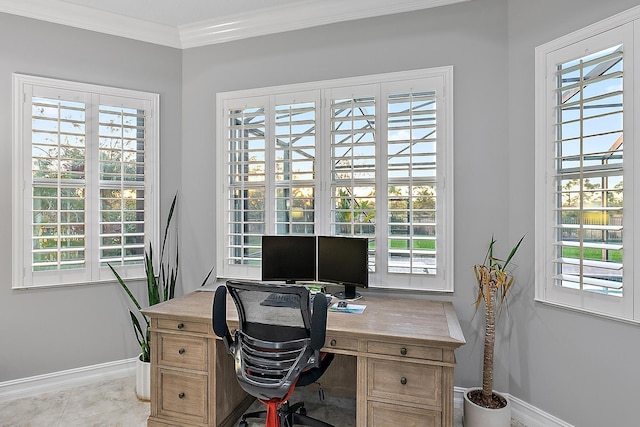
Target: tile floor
[[109, 403], [113, 404]]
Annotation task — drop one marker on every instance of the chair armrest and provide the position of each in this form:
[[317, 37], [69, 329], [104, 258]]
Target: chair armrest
[[318, 323], [219, 317]]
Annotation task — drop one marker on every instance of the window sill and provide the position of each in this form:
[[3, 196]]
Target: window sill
[[607, 316], [73, 285]]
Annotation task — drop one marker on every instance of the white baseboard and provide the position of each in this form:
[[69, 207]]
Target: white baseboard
[[30, 386], [521, 411]]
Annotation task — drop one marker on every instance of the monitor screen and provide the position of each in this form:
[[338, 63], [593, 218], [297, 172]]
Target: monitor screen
[[344, 260], [288, 258]]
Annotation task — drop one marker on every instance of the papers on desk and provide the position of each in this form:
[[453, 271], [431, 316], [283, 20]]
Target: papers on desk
[[350, 308]]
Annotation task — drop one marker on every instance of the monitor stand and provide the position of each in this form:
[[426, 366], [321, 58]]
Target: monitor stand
[[348, 293]]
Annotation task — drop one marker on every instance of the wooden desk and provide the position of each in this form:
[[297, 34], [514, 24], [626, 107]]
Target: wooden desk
[[403, 351]]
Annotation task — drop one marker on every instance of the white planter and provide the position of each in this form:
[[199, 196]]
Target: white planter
[[143, 380], [477, 416]]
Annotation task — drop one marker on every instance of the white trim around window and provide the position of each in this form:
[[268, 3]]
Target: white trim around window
[[85, 175], [375, 159], [585, 221]]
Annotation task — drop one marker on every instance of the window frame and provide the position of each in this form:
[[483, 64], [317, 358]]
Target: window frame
[[604, 34], [442, 78], [22, 276]]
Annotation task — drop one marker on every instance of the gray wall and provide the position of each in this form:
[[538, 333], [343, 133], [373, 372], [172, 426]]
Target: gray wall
[[470, 36], [50, 330], [548, 357], [582, 369], [551, 358]]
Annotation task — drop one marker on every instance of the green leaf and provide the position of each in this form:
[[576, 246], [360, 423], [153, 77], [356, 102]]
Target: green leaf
[[513, 251], [166, 228], [171, 289], [143, 338], [152, 283], [204, 282], [161, 281], [124, 286]]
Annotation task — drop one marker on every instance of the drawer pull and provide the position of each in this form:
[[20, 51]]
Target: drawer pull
[[403, 380], [403, 351], [180, 325], [333, 343], [181, 395], [181, 351]]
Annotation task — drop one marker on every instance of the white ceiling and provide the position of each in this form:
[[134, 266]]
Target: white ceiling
[[180, 12], [191, 23]]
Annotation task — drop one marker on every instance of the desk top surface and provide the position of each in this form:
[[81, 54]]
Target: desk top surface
[[417, 320]]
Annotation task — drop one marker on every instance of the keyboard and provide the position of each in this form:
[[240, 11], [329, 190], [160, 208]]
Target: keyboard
[[281, 300], [289, 300]]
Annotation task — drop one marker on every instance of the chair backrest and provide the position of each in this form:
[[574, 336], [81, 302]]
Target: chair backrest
[[279, 336]]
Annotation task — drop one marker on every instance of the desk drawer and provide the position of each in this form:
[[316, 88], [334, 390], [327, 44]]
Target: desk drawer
[[413, 351], [332, 342], [405, 382], [182, 326], [182, 352], [385, 415], [183, 395]]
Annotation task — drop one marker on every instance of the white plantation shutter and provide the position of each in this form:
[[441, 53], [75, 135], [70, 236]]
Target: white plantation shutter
[[411, 187], [586, 201], [58, 149], [295, 167], [352, 157], [85, 155], [122, 139], [353, 165], [589, 174], [270, 176], [246, 185]]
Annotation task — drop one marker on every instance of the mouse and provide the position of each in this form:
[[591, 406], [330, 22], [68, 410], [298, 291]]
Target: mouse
[[342, 304]]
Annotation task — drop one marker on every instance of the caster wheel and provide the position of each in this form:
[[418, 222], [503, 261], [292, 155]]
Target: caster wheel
[[303, 411], [243, 423]]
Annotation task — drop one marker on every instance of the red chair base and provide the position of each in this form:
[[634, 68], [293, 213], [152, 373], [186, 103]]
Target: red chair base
[[273, 417]]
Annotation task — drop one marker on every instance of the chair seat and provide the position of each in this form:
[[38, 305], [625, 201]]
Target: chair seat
[[312, 375]]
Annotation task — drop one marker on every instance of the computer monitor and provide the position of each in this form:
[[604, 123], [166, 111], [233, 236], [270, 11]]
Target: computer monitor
[[344, 260], [288, 258]]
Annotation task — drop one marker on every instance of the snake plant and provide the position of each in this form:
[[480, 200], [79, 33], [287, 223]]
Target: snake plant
[[161, 284]]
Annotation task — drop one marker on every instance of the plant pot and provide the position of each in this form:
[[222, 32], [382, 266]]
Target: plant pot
[[143, 379], [478, 416]]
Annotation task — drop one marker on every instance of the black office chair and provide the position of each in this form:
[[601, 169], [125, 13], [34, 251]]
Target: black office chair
[[276, 347]]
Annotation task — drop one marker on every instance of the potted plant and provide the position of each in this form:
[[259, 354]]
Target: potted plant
[[483, 406], [161, 284]]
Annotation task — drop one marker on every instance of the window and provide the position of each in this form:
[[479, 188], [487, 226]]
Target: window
[[84, 169], [585, 219], [366, 157]]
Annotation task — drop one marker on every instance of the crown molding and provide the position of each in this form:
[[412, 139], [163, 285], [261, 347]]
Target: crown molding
[[303, 14]]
